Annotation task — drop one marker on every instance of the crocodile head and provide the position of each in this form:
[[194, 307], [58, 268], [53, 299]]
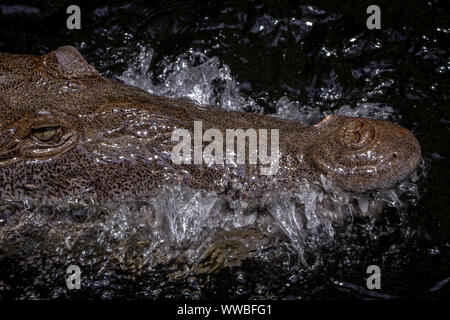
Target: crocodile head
[[67, 132]]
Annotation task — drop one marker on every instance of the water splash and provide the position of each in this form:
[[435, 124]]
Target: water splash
[[208, 81], [191, 75]]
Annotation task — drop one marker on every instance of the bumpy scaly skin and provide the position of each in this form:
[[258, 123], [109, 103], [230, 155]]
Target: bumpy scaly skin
[[114, 140]]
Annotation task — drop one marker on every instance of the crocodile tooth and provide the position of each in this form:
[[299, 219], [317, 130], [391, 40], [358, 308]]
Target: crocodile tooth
[[363, 204]]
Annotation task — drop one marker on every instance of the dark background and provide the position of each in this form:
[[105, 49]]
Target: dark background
[[405, 65]]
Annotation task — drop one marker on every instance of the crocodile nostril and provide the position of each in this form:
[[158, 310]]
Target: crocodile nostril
[[355, 134]]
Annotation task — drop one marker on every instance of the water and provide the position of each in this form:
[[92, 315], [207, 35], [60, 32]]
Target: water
[[299, 62]]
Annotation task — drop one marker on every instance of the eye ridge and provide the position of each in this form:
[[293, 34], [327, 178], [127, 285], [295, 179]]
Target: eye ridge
[[47, 134]]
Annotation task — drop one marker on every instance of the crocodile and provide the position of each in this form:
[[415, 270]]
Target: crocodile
[[66, 132]]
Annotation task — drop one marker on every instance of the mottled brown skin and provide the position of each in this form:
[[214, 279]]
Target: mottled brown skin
[[112, 140]]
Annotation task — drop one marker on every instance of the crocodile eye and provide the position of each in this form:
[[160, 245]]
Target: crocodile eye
[[46, 134], [355, 134]]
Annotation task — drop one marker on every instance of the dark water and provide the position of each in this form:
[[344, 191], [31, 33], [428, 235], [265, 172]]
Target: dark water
[[316, 54]]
